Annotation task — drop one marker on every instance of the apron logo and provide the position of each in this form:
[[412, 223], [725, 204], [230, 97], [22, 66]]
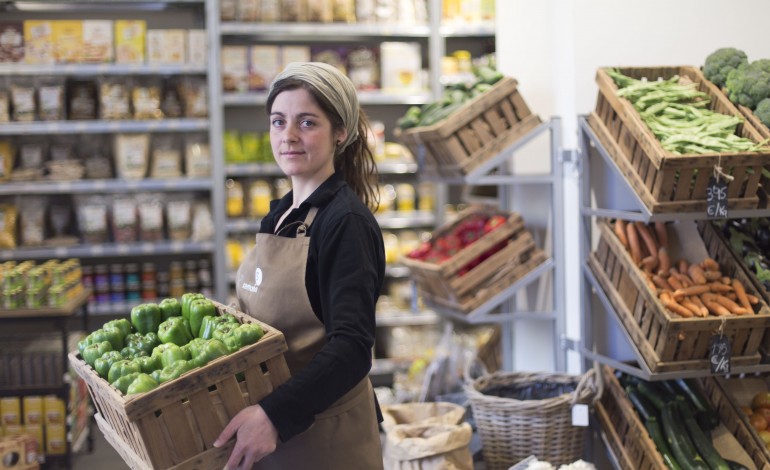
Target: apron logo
[[257, 281]]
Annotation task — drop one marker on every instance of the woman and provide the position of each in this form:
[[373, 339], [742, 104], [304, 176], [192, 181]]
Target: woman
[[315, 273]]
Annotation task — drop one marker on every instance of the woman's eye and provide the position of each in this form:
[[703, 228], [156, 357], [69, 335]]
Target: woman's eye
[[308, 123], [277, 122]]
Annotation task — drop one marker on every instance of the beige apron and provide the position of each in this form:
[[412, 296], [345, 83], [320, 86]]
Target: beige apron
[[270, 286]]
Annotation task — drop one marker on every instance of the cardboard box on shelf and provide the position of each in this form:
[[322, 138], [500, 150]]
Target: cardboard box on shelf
[[19, 453], [67, 41], [55, 439], [38, 42], [291, 54], [264, 64], [197, 50], [11, 41], [130, 41], [235, 68], [401, 67], [97, 41], [10, 411], [54, 409], [33, 410], [166, 46]]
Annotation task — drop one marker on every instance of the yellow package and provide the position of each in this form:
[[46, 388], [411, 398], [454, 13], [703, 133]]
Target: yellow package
[[33, 410], [10, 411], [97, 41], [68, 41], [13, 430], [129, 41], [35, 430], [38, 42], [55, 439], [54, 410], [6, 159]]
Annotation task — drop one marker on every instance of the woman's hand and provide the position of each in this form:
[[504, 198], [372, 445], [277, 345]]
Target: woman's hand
[[256, 437]]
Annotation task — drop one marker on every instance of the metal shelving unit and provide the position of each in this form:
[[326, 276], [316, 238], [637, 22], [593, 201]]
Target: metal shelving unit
[[106, 250], [90, 70], [103, 186], [623, 203], [103, 127]]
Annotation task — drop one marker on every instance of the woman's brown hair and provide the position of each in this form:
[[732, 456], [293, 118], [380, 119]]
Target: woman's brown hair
[[356, 161]]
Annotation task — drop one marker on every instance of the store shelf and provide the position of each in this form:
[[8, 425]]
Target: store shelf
[[65, 310], [88, 70], [242, 225], [322, 31], [396, 271], [103, 127], [468, 30], [396, 168], [104, 186], [405, 318], [366, 98], [108, 250], [252, 169], [399, 220]]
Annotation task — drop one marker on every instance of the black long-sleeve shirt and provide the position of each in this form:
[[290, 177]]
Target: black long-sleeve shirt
[[344, 276]]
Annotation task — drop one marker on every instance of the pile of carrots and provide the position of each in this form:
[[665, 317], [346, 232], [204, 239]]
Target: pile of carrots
[[686, 289]]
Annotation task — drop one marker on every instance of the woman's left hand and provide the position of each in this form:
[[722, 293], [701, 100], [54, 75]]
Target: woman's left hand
[[256, 437]]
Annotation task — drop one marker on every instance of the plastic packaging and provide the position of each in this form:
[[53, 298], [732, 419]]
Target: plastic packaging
[[132, 155]]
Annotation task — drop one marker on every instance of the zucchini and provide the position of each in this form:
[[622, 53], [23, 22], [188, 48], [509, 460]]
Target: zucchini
[[656, 433], [702, 442], [642, 405], [735, 465], [702, 405], [677, 438], [654, 393]]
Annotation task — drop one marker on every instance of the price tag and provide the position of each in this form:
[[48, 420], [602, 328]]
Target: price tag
[[719, 355], [580, 415], [716, 199]]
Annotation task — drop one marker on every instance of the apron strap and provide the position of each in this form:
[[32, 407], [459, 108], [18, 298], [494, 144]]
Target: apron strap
[[303, 225]]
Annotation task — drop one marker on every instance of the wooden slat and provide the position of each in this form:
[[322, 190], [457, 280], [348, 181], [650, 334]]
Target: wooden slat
[[209, 424]]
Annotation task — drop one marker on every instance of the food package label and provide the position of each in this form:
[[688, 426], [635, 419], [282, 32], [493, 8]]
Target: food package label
[[401, 64], [55, 439], [174, 46], [38, 42], [264, 64], [291, 54], [97, 41], [18, 452], [68, 41], [11, 41], [155, 53], [54, 410], [363, 68], [10, 411], [235, 68], [334, 56], [130, 41], [197, 50], [33, 410]]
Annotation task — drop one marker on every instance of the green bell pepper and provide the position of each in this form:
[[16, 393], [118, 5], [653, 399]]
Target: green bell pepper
[[175, 330], [103, 364], [173, 371], [224, 329], [194, 347], [149, 363], [199, 309], [113, 335], [243, 335], [187, 300], [123, 382], [170, 308], [122, 367], [210, 323], [146, 343], [142, 383], [83, 343], [94, 351], [170, 353], [131, 352], [146, 317], [212, 349], [121, 324]]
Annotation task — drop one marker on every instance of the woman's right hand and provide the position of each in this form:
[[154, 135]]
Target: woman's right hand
[[256, 437]]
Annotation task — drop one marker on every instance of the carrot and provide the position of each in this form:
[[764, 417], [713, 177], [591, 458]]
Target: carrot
[[712, 275], [674, 281], [692, 306], [661, 233], [682, 265], [719, 287], [664, 263], [620, 231], [725, 302], [696, 274], [753, 299], [649, 263], [666, 296], [740, 292], [661, 282], [696, 300], [713, 306], [678, 309], [646, 235], [633, 243], [692, 290], [710, 265], [726, 280]]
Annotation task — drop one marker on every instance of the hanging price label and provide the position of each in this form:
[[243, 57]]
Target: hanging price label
[[716, 199], [719, 355]]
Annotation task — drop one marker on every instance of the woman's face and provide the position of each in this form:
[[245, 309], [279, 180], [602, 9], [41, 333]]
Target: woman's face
[[301, 136]]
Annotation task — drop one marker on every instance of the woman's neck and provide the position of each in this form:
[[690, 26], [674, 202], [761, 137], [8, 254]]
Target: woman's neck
[[302, 188]]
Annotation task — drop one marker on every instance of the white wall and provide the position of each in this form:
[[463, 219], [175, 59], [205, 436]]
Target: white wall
[[553, 48]]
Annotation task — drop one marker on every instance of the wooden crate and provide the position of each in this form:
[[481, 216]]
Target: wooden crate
[[666, 182], [444, 284], [668, 342], [627, 437], [735, 421], [175, 425], [474, 133]]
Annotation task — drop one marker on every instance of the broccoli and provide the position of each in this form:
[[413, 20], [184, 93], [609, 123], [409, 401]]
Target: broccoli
[[762, 111], [750, 83], [720, 62]]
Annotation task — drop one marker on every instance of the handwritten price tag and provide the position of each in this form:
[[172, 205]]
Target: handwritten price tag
[[719, 354], [716, 199]]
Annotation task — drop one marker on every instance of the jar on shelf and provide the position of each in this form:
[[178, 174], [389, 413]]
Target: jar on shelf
[[148, 272], [133, 283], [163, 284], [176, 288]]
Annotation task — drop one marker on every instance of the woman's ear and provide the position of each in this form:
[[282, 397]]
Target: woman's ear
[[340, 137]]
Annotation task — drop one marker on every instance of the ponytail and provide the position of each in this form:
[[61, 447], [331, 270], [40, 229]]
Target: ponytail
[[357, 166]]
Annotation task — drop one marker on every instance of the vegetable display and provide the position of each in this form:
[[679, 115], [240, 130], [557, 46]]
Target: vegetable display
[[750, 239], [679, 420], [686, 289], [678, 115], [454, 97], [158, 344]]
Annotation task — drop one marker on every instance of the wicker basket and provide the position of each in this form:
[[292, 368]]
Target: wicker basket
[[512, 430]]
